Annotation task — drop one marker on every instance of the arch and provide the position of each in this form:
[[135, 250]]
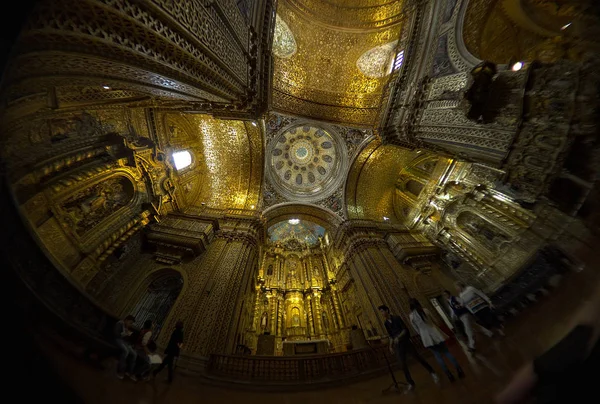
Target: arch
[[309, 212], [158, 298], [505, 30], [460, 56], [371, 181], [142, 287]]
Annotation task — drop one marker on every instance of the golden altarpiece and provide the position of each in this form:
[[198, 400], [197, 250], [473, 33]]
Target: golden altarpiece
[[310, 196]]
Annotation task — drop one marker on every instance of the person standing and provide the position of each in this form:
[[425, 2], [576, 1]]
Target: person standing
[[401, 345], [480, 305], [463, 316], [433, 338], [172, 350], [122, 334]]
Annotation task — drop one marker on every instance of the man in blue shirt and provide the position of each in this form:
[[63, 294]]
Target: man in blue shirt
[[401, 345]]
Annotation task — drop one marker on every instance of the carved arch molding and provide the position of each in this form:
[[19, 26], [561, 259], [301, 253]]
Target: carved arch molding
[[204, 56]]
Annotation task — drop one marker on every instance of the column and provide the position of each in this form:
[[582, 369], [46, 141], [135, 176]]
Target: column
[[317, 313], [257, 312], [311, 323], [336, 307], [212, 297], [273, 312], [281, 308], [378, 276]]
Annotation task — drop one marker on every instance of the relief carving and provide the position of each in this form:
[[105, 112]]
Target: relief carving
[[88, 207]]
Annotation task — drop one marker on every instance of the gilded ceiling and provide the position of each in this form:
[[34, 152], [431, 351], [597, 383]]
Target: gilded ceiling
[[355, 14], [370, 186], [227, 169], [328, 71], [512, 30]]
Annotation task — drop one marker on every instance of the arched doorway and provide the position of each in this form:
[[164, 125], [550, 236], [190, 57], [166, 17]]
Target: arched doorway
[[158, 298]]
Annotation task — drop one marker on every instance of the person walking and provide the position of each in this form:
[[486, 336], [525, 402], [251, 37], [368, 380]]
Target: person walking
[[122, 334], [460, 314], [433, 338], [172, 350], [480, 305], [401, 345]]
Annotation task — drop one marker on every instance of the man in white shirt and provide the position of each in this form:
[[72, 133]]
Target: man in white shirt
[[480, 305]]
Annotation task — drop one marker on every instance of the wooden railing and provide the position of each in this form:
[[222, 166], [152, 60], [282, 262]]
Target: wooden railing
[[299, 369]]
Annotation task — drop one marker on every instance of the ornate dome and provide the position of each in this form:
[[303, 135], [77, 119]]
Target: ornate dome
[[305, 161]]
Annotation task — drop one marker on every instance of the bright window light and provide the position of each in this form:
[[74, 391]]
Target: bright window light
[[294, 221], [517, 66], [182, 159]]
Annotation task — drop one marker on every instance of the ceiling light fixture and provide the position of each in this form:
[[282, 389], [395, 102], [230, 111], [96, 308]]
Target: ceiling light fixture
[[294, 221]]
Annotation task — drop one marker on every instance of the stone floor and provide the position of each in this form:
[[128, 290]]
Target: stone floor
[[534, 330]]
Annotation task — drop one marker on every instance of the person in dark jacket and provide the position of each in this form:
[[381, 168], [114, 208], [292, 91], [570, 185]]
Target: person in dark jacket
[[401, 345], [172, 350], [122, 334]]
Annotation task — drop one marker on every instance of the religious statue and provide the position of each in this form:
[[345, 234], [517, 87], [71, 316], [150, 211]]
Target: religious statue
[[295, 317], [264, 321]]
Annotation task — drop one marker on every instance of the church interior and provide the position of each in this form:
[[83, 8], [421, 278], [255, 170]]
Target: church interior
[[270, 172]]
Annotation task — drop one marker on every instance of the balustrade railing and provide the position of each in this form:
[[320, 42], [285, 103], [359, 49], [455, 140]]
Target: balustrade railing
[[299, 369]]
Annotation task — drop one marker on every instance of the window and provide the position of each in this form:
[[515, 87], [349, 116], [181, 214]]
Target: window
[[182, 159]]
